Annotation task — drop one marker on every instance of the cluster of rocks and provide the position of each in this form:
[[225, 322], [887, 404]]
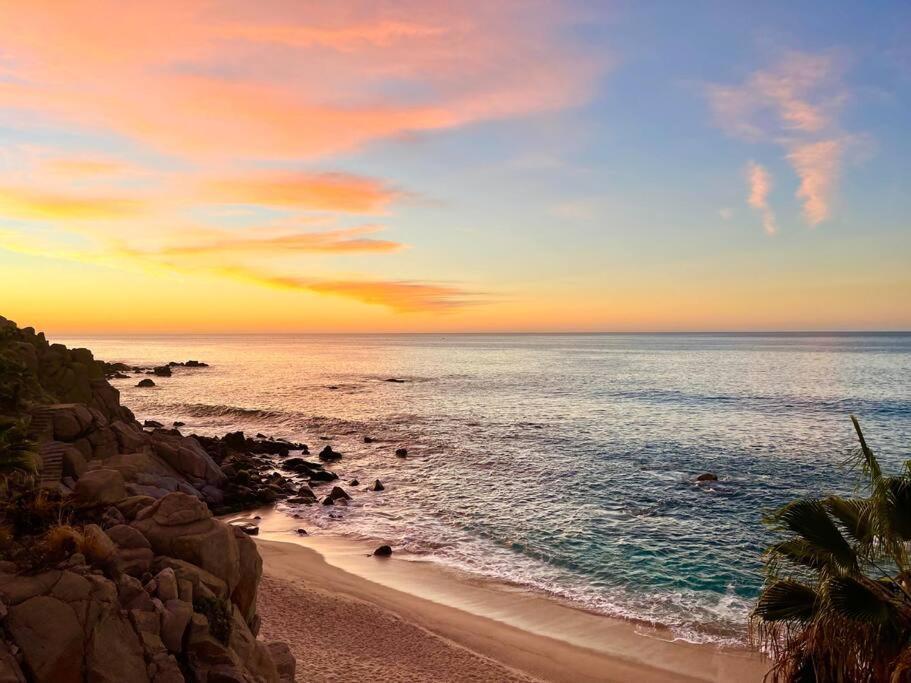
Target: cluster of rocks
[[119, 370], [162, 593], [153, 588]]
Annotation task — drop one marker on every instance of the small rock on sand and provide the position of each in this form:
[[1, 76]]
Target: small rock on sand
[[382, 551]]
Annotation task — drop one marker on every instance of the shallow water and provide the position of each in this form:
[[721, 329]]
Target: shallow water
[[561, 462]]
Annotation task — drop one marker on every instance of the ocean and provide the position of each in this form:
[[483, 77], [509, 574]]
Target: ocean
[[562, 463]]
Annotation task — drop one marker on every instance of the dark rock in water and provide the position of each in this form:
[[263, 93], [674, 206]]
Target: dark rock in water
[[305, 494], [235, 441], [322, 476], [162, 371], [337, 494], [377, 486], [146, 383], [196, 364], [354, 482], [708, 476], [301, 466], [174, 364], [332, 386], [369, 439], [153, 424], [401, 452], [382, 551], [395, 380], [119, 375], [179, 424], [328, 454], [301, 532]]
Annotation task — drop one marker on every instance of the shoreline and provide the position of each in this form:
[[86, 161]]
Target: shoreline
[[515, 628]]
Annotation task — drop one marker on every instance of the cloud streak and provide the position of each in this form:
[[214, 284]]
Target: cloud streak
[[760, 185], [339, 192]]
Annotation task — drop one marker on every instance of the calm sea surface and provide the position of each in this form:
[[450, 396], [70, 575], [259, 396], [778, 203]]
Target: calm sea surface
[[561, 462]]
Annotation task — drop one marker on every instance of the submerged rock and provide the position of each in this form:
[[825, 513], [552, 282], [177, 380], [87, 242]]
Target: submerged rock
[[162, 371], [377, 486], [146, 383], [328, 454], [401, 452], [382, 551], [708, 476], [336, 495]]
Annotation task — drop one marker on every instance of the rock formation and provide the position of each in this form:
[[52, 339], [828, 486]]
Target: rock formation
[[112, 567]]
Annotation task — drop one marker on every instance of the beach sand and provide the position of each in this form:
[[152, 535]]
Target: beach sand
[[356, 617]]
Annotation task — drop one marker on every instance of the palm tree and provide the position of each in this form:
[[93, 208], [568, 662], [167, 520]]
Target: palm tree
[[836, 604]]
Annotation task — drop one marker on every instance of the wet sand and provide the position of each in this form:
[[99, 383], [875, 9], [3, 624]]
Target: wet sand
[[349, 616]]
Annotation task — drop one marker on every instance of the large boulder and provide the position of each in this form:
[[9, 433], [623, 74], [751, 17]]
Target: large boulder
[[181, 526], [100, 487], [71, 628], [251, 570], [189, 458], [50, 637]]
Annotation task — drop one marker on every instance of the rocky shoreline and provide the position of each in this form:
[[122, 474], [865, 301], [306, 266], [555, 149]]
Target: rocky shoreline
[[112, 565]]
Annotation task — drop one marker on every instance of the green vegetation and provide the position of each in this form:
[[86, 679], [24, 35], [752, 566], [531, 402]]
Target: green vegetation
[[218, 612], [19, 459], [836, 605]]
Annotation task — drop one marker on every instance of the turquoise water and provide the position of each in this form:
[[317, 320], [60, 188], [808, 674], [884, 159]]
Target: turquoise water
[[560, 462]]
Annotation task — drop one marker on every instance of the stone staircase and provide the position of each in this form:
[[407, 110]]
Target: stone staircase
[[41, 427], [51, 463], [41, 430]]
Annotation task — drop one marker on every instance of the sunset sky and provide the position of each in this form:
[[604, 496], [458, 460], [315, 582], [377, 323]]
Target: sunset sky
[[208, 165]]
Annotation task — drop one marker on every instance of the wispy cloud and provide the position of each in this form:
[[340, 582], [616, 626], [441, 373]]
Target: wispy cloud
[[27, 203], [760, 185], [345, 240], [339, 192], [817, 165], [794, 105]]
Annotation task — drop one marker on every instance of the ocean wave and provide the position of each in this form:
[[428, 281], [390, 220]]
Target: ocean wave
[[206, 410]]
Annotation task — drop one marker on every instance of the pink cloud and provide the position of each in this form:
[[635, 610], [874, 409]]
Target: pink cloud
[[284, 80], [817, 165], [760, 185], [793, 104]]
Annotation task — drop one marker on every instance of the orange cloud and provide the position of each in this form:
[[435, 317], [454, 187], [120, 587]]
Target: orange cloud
[[760, 184], [405, 297], [76, 167], [330, 241], [380, 34], [817, 165], [23, 203], [307, 191], [221, 79]]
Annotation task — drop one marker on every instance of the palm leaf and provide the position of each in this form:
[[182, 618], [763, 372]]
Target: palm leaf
[[868, 461], [809, 519], [786, 601], [853, 513], [853, 600], [801, 552]]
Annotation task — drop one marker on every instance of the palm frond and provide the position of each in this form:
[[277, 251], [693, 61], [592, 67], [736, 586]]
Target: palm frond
[[786, 601], [810, 520], [857, 602]]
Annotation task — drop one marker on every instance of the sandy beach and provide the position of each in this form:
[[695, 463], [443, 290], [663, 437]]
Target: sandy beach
[[349, 616]]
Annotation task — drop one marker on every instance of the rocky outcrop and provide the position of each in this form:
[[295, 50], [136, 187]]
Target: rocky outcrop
[[143, 584]]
